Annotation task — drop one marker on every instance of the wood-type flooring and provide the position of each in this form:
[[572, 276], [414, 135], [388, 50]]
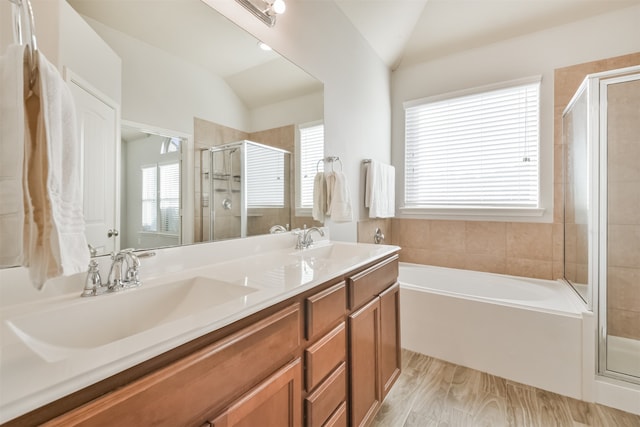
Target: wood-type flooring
[[431, 392]]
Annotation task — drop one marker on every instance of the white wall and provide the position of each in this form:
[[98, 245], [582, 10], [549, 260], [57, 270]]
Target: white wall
[[67, 41], [318, 37], [161, 90], [604, 36]]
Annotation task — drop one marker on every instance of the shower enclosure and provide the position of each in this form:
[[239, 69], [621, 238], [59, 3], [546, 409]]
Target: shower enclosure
[[247, 190], [601, 139]]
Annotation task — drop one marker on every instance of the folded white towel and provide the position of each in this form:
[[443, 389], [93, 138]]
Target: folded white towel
[[380, 190], [319, 197], [60, 246], [12, 124], [330, 178], [340, 201]]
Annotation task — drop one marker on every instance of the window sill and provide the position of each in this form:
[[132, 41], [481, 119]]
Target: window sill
[[475, 214]]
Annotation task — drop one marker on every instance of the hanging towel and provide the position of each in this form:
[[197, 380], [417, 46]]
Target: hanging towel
[[59, 247], [12, 124], [340, 199], [319, 197], [380, 190], [330, 182]]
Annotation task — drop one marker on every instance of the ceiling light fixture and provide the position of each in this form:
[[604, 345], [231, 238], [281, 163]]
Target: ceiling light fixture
[[265, 10]]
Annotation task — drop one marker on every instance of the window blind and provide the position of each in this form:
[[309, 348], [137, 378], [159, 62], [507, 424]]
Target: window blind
[[265, 177], [161, 198], [311, 151], [149, 199], [169, 198], [478, 150]]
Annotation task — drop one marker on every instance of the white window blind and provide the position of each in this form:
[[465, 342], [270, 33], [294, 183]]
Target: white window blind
[[311, 151], [477, 150], [169, 198], [161, 198], [265, 177], [149, 198]]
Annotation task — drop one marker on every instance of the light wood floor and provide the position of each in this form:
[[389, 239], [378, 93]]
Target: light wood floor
[[431, 392]]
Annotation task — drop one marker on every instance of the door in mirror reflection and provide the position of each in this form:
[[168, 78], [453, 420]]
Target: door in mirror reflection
[[98, 121]]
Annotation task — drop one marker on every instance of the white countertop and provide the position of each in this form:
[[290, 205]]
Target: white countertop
[[33, 372]]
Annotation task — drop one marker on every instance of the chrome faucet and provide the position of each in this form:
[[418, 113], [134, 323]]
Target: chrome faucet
[[279, 229], [304, 237], [123, 274]]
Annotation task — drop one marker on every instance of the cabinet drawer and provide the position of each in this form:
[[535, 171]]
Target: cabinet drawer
[[338, 418], [325, 308], [324, 356], [323, 402], [365, 285], [187, 391]]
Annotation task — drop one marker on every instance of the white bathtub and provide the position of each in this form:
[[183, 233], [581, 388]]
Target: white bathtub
[[525, 330]]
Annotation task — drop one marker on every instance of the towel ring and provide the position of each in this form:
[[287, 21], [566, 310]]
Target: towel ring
[[330, 159]]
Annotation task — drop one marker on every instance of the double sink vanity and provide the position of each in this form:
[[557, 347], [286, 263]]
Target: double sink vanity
[[237, 333]]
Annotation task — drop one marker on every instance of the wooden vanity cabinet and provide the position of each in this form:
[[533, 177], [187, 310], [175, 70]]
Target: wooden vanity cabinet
[[326, 357], [186, 392]]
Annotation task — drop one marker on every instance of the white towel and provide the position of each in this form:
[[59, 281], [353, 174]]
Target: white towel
[[319, 197], [380, 190], [340, 200], [12, 123], [59, 246]]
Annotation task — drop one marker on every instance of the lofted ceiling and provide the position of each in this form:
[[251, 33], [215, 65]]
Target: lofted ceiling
[[405, 32]]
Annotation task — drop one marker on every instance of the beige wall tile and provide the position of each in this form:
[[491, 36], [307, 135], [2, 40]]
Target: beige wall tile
[[484, 237], [414, 233], [529, 268], [447, 236], [623, 246], [529, 241], [395, 231], [557, 238], [557, 270], [623, 323], [624, 201], [623, 288], [485, 262]]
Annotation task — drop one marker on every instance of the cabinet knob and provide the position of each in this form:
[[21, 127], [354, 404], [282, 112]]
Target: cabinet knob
[[112, 232]]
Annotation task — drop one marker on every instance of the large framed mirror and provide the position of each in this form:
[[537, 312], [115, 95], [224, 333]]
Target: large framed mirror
[[192, 81]]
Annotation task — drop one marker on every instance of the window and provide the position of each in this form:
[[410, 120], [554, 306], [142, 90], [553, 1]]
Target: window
[[265, 177], [311, 150], [475, 150], [161, 198]]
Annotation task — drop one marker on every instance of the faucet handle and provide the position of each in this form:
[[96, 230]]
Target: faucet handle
[[93, 281]]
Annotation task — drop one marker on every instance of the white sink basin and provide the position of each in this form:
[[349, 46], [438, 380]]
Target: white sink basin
[[95, 321], [335, 251]]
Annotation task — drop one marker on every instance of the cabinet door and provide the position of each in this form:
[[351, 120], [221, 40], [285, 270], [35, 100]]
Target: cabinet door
[[275, 402], [364, 363], [390, 362]]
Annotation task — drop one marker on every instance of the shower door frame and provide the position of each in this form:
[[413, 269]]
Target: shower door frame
[[598, 139]]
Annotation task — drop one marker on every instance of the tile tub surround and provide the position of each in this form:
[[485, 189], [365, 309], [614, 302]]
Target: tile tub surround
[[432, 392], [268, 263], [514, 248]]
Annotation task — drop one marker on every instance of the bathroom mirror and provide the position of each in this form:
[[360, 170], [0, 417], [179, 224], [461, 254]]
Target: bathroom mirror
[[264, 98]]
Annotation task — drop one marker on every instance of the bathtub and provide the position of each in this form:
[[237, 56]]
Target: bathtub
[[524, 330]]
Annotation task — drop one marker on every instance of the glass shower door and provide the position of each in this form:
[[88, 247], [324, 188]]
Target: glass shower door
[[620, 222]]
